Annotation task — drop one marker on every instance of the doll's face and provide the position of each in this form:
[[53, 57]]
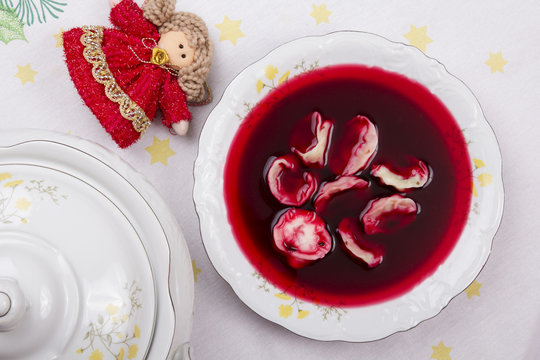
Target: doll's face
[[177, 47]]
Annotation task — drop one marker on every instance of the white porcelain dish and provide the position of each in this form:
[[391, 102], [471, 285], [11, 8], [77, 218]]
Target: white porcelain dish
[[92, 262], [363, 323]]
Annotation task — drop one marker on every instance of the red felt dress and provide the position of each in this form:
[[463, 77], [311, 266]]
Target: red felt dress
[[137, 86]]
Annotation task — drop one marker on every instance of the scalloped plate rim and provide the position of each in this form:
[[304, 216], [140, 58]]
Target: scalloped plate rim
[[242, 292]]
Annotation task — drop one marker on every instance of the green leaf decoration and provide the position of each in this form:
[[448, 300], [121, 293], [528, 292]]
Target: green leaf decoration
[[32, 11], [11, 27]]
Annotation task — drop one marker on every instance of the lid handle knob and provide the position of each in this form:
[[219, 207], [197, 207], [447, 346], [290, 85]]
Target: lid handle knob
[[12, 304], [5, 304]]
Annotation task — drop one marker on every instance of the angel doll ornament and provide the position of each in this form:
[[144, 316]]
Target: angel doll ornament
[[152, 57]]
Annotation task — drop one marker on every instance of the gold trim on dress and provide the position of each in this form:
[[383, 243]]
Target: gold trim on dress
[[91, 39]]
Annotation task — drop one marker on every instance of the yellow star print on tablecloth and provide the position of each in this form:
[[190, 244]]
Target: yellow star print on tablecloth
[[418, 37], [196, 270], [25, 73], [320, 13], [441, 352], [230, 30], [473, 289], [59, 39], [160, 151], [496, 62]]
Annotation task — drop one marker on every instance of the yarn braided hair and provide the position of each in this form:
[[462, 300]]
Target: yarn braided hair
[[192, 78]]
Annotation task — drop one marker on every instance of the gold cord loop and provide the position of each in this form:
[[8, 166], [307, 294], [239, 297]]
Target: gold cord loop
[[159, 57], [207, 99]]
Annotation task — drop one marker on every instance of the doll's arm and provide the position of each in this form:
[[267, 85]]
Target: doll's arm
[[172, 102], [128, 17]]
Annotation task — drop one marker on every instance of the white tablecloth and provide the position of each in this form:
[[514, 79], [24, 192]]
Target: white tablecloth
[[491, 45]]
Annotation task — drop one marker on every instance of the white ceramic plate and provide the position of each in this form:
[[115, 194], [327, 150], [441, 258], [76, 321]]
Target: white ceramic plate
[[363, 323], [99, 257]]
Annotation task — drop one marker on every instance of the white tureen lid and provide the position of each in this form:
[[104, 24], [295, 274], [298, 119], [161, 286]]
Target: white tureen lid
[[92, 263]]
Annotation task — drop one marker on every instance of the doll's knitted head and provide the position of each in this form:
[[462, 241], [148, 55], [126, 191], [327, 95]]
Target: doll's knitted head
[[191, 78]]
